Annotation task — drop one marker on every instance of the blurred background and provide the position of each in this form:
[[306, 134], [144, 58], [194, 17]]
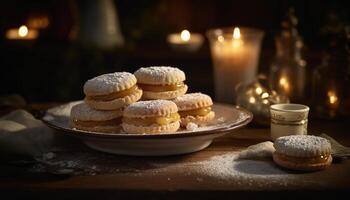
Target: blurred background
[[75, 40]]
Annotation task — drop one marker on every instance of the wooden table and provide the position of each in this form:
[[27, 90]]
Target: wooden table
[[182, 177]]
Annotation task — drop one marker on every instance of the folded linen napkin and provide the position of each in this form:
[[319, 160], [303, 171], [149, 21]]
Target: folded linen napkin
[[22, 134]]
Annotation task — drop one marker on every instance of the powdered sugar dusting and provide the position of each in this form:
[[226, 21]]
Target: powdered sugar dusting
[[152, 107], [193, 101], [226, 168], [191, 126], [159, 75], [107, 83], [302, 145], [84, 112]]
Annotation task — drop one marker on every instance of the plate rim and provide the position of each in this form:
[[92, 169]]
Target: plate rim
[[82, 133]]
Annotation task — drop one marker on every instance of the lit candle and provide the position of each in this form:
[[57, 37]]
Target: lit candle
[[22, 33], [185, 41], [235, 56]]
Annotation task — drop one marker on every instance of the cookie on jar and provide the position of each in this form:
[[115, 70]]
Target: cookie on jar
[[161, 82], [112, 91]]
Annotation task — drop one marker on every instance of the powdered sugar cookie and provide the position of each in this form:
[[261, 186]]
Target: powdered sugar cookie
[[151, 117], [112, 91], [195, 108], [85, 118], [302, 152], [160, 82]]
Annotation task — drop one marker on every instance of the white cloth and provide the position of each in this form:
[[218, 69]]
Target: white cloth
[[21, 133]]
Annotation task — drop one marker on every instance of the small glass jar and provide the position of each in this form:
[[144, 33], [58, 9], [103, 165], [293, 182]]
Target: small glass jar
[[288, 70]]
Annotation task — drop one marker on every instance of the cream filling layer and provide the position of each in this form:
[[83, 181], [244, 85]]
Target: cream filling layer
[[196, 112], [304, 160], [147, 121], [161, 88], [115, 95]]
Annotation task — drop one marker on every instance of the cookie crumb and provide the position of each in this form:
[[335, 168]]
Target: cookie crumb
[[221, 119], [191, 126]]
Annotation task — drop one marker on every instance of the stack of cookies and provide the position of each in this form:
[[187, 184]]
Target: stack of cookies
[[113, 100], [106, 97]]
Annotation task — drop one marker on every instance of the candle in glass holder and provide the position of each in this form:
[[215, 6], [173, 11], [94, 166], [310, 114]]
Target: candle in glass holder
[[22, 33], [185, 41], [235, 53]]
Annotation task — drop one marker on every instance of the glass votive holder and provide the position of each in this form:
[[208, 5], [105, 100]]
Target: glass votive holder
[[288, 119], [235, 54]]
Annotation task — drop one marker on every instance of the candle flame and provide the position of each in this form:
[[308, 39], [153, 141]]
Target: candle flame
[[332, 97], [236, 33], [23, 31], [185, 35]]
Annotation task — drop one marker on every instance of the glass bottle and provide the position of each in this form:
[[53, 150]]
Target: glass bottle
[[288, 70], [331, 80]]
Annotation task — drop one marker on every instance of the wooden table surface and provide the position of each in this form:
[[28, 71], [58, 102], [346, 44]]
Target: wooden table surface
[[180, 176]]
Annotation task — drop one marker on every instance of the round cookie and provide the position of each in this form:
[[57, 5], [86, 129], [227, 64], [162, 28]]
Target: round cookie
[[195, 108], [161, 82], [151, 117], [85, 118], [302, 152], [112, 91]]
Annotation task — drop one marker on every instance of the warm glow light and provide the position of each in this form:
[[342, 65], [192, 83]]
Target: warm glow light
[[221, 38], [23, 31], [258, 90], [333, 99], [236, 33], [251, 100], [185, 35], [284, 84], [283, 81], [265, 95]]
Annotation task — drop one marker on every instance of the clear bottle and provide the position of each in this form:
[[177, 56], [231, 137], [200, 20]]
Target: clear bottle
[[288, 70]]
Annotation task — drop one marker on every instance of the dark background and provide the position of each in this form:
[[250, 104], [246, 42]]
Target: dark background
[[55, 67]]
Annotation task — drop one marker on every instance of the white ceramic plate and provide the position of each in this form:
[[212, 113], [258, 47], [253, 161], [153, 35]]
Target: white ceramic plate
[[228, 118]]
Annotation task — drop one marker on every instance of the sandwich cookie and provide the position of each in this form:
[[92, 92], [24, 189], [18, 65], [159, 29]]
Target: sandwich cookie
[[112, 91], [85, 118], [195, 108], [161, 82], [302, 152], [151, 117]]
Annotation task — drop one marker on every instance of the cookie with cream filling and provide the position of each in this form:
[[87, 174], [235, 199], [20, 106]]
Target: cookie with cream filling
[[83, 117], [195, 108], [112, 91], [151, 117], [161, 82], [302, 152]]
